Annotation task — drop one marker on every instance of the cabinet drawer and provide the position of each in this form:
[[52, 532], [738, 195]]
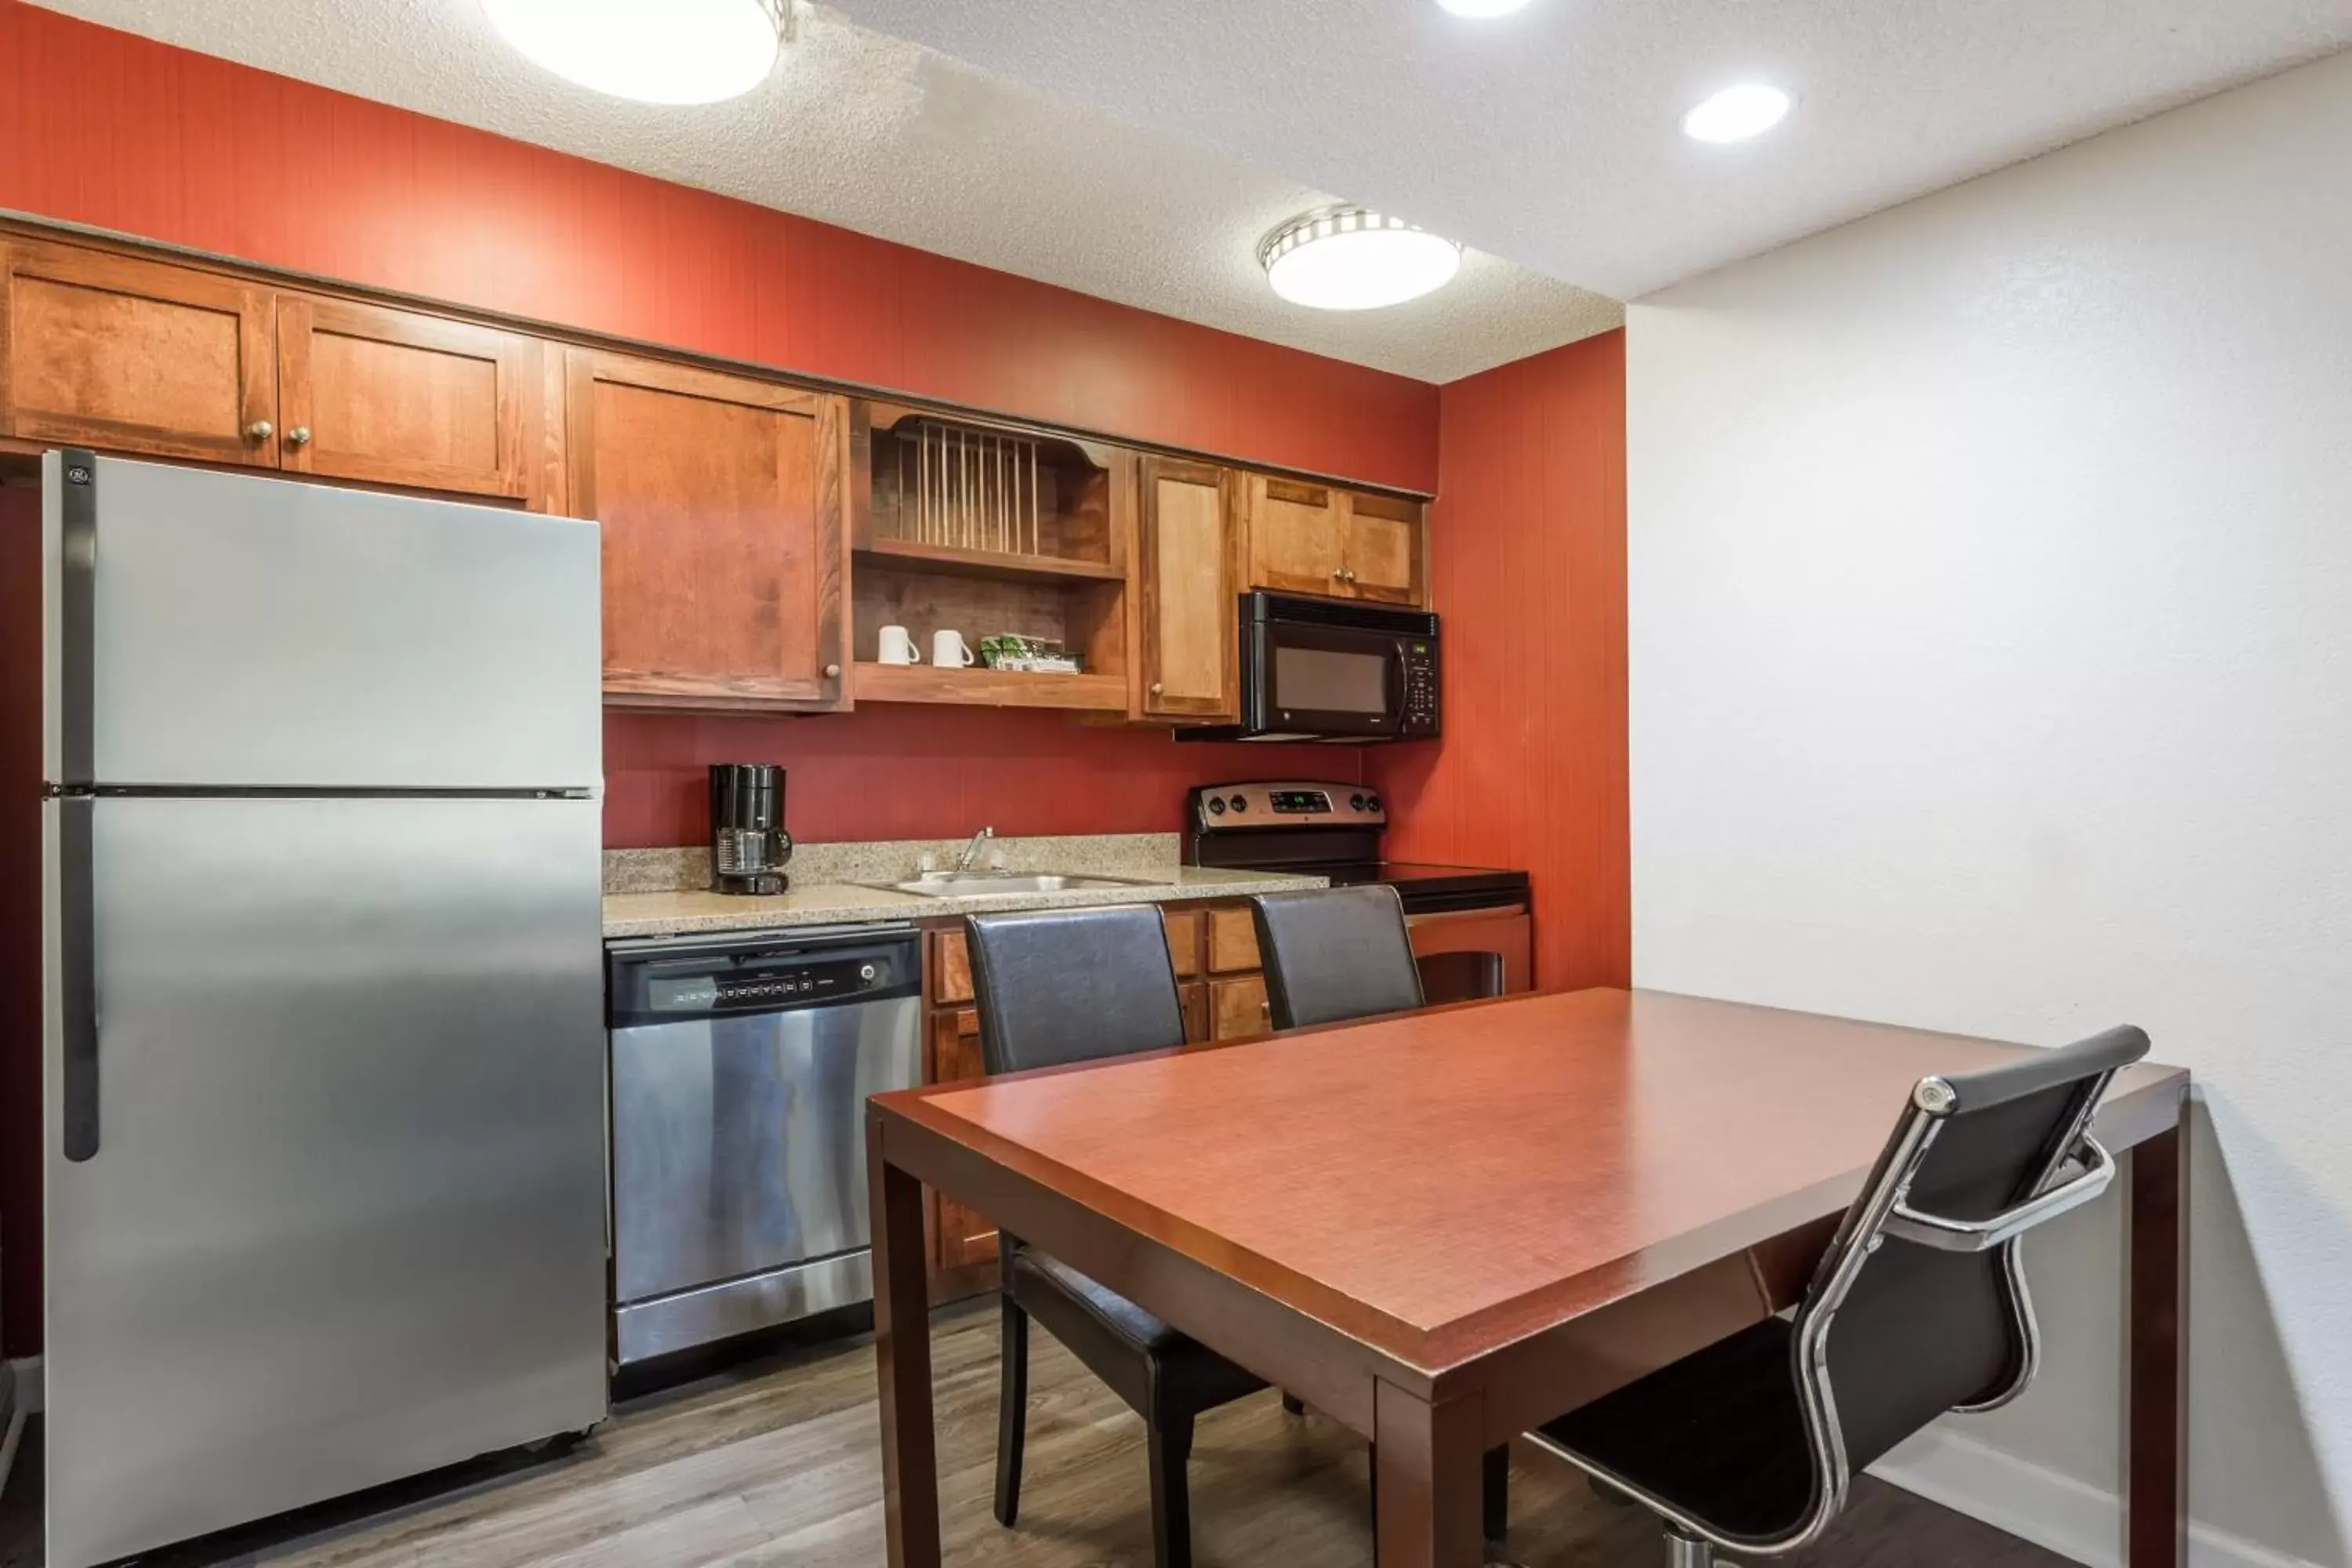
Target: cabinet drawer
[[951, 970], [1233, 939], [1183, 941]]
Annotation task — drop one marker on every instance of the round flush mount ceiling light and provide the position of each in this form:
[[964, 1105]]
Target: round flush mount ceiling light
[[1483, 7], [1737, 113], [1351, 258], [656, 51]]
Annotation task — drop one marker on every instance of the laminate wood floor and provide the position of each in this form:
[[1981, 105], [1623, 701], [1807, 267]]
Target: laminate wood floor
[[777, 1463]]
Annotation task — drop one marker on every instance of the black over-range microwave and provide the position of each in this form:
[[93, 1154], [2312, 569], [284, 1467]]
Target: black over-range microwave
[[1332, 669]]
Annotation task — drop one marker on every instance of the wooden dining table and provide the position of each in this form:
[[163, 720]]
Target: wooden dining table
[[1441, 1228]]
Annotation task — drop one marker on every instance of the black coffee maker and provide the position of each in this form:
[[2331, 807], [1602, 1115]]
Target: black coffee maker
[[748, 845]]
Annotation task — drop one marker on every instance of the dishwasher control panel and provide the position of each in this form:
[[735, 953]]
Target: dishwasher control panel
[[668, 982]]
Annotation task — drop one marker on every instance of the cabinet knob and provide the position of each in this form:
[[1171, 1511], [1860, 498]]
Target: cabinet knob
[[298, 437], [1158, 687], [259, 430], [1346, 573], [833, 672]]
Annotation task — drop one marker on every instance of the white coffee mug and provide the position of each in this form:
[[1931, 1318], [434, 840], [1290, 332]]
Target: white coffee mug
[[948, 650], [898, 647]]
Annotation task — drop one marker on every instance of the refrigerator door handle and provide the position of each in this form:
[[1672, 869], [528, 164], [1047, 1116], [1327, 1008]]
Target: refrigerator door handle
[[78, 976]]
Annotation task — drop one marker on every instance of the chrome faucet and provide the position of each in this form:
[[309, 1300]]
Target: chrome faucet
[[971, 850]]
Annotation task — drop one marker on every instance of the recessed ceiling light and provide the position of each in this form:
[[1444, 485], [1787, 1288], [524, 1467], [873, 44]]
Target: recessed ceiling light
[[1483, 7], [1737, 113], [1351, 259], [656, 52]]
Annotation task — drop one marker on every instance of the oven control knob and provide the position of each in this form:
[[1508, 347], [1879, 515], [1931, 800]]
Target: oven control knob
[[1355, 803], [1217, 805], [1239, 804], [1371, 803]]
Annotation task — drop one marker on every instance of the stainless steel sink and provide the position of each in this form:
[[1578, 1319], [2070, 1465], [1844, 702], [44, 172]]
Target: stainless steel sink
[[967, 884]]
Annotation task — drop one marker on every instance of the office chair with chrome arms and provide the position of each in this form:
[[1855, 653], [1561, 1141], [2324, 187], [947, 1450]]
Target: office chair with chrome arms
[[1918, 1307]]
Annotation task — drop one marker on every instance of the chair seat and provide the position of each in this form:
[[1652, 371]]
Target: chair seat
[[1161, 1371], [1719, 1434]]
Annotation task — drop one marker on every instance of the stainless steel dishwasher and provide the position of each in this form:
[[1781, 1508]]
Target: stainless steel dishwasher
[[741, 1068]]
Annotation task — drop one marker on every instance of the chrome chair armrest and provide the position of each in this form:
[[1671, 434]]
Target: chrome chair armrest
[[1907, 1224]]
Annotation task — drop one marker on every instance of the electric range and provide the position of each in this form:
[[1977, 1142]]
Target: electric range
[[1330, 830]]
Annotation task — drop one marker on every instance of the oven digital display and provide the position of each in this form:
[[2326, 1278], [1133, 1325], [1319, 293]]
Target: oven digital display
[[1298, 800]]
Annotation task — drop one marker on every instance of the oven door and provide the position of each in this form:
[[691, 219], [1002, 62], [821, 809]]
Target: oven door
[[1324, 682]]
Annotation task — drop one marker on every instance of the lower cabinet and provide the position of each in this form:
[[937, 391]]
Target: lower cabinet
[[1213, 948], [963, 1238]]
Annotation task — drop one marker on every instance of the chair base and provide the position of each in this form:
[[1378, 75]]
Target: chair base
[[1685, 1551]]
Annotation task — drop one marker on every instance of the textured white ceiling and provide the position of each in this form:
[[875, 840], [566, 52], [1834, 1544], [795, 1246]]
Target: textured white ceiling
[[1551, 137], [881, 135]]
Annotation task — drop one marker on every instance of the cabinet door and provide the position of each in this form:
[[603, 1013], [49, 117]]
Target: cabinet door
[[1233, 939], [1193, 999], [393, 397], [1237, 1008], [1297, 536], [1189, 627], [726, 555], [1383, 550], [136, 356], [965, 1237]]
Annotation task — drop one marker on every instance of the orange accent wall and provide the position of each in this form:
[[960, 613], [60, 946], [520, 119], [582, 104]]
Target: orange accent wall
[[1528, 568]]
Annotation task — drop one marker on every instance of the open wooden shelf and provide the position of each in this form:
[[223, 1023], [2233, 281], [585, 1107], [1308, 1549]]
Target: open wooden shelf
[[992, 566], [978, 687]]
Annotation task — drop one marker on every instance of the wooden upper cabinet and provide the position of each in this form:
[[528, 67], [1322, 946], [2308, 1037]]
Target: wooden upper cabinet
[[387, 396], [726, 550], [1307, 537], [1189, 628], [136, 356], [1383, 555], [1299, 536]]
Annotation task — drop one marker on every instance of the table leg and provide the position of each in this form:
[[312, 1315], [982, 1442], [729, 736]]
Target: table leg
[[902, 1348], [2156, 1517], [1428, 1482]]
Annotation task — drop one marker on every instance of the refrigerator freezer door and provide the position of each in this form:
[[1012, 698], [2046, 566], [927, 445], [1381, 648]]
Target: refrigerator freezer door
[[245, 632], [344, 1218]]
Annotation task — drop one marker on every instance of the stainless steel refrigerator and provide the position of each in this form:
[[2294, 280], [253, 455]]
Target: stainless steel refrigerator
[[324, 1072]]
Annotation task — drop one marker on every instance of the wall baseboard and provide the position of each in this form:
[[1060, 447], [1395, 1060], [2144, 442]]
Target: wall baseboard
[[2074, 1519]]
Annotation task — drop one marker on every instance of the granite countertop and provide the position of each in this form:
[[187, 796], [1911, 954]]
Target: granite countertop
[[665, 892]]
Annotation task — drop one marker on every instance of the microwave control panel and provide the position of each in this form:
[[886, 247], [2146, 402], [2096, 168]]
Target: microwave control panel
[[1419, 656]]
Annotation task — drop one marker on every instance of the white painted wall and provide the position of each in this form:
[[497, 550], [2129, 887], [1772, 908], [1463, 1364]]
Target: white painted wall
[[1992, 663]]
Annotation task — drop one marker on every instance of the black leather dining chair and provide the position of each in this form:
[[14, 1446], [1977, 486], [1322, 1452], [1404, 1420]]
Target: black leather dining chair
[[1051, 988], [1337, 954], [1918, 1308]]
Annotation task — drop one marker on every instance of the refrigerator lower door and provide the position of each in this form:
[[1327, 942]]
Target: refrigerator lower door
[[337, 1211], [229, 631]]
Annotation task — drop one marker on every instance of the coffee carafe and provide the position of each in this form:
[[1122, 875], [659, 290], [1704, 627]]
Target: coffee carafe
[[748, 845]]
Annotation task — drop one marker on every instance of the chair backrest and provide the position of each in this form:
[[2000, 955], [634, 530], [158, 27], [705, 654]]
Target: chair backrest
[[1920, 1305], [1465, 976], [1053, 986], [1335, 953]]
